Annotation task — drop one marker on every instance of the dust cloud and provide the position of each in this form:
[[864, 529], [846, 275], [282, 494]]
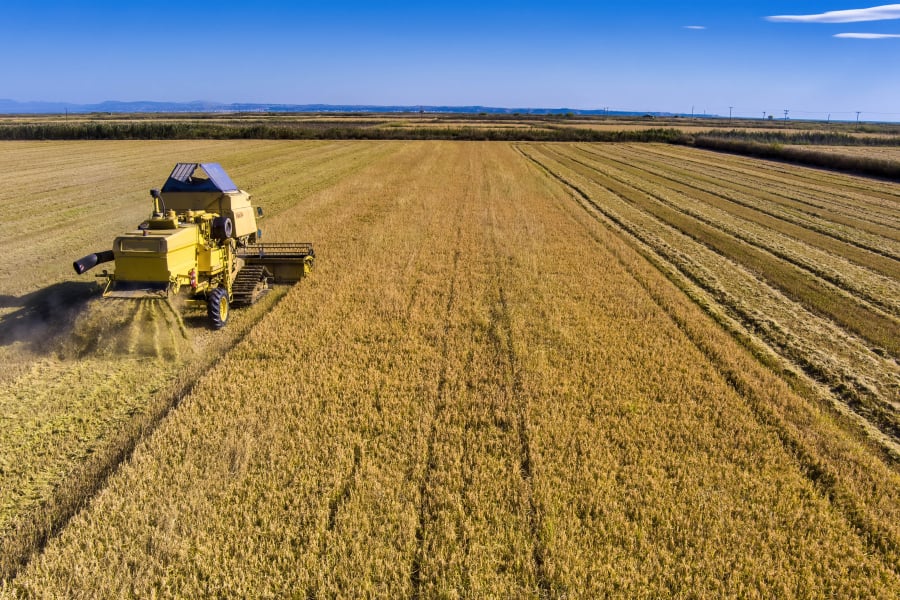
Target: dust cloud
[[125, 327]]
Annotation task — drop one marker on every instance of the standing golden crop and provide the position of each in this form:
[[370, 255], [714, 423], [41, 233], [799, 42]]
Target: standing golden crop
[[500, 382]]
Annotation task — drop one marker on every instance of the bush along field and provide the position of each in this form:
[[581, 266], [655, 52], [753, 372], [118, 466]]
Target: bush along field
[[518, 370]]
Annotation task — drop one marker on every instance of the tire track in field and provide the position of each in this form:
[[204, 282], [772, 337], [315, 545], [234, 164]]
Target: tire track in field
[[823, 475], [538, 552], [874, 259], [425, 516], [803, 199], [346, 488], [408, 270], [874, 294], [505, 342], [37, 526], [839, 370], [341, 496]]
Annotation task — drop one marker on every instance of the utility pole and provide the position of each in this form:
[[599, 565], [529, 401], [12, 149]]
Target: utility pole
[[857, 116], [692, 111], [730, 108], [764, 115], [786, 111]]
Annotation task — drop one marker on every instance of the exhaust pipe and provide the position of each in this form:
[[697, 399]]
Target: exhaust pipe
[[92, 260]]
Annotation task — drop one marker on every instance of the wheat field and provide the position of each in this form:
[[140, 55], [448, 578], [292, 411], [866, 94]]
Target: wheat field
[[82, 378], [518, 370]]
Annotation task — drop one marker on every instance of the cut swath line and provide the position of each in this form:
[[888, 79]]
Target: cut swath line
[[869, 299], [733, 196], [424, 516], [800, 200], [135, 334], [813, 199], [819, 472], [816, 295], [37, 528], [867, 407]]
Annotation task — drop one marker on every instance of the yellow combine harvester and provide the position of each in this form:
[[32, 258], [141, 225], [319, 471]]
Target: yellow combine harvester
[[201, 235]]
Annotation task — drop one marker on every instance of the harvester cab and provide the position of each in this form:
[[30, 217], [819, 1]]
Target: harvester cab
[[201, 235]]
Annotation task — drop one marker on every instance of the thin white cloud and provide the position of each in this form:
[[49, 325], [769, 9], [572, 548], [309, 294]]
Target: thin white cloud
[[695, 27], [867, 36], [856, 15]]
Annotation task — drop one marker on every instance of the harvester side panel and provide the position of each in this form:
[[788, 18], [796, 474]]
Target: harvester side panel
[[157, 256], [212, 260]]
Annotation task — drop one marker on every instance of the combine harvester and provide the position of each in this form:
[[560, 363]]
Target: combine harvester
[[201, 235]]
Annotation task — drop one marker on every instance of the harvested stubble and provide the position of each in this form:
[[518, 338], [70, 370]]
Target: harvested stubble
[[834, 204], [82, 378], [860, 378], [484, 390], [713, 205]]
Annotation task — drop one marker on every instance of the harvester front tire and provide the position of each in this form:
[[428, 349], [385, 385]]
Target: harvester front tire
[[218, 308]]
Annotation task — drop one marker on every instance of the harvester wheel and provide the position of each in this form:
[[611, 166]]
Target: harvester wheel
[[217, 307]]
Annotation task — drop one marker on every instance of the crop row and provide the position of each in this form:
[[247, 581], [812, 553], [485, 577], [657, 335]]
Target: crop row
[[743, 223], [81, 378], [758, 204], [485, 389], [856, 197], [760, 290]]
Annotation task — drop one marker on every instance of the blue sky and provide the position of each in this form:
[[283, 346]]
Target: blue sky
[[625, 55]]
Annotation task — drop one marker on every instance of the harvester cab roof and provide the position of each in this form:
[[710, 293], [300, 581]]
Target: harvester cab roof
[[199, 177]]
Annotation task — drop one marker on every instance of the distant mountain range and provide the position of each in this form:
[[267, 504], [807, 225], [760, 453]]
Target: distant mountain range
[[112, 106]]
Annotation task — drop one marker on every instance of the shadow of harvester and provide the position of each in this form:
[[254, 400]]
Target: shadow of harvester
[[71, 320], [44, 316]]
